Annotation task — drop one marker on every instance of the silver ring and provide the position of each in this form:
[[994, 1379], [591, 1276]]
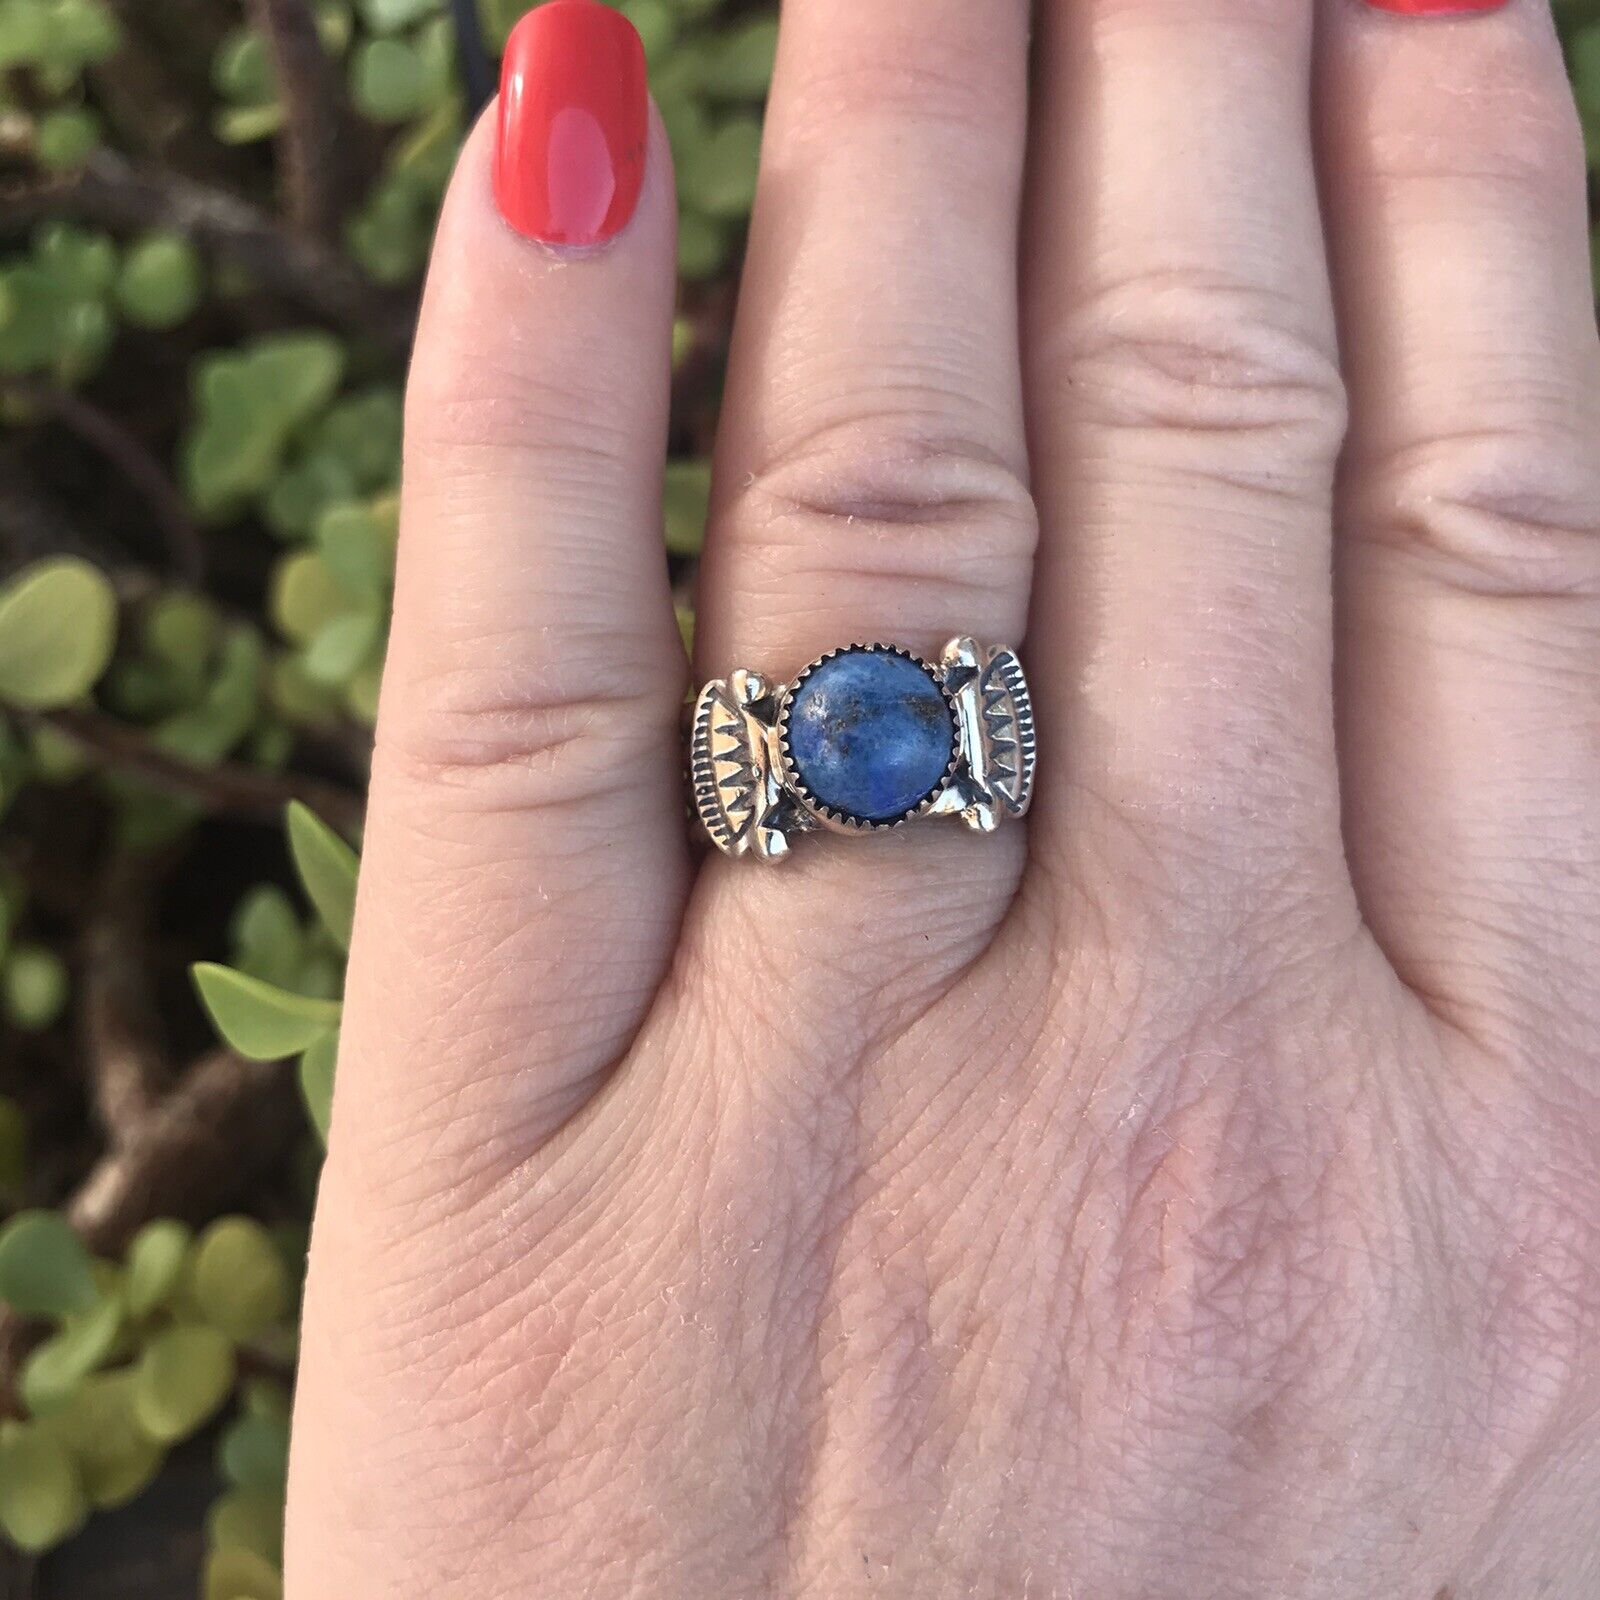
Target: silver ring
[[866, 738]]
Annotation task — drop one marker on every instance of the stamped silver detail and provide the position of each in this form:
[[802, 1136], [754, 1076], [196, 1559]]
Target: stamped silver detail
[[751, 800]]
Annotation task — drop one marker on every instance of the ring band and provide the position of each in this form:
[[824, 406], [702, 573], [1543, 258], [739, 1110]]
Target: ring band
[[866, 738]]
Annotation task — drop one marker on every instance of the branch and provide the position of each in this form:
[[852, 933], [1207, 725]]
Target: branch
[[114, 193], [196, 1153], [154, 90], [128, 1069], [228, 787], [477, 70], [140, 469], [33, 523], [323, 150]]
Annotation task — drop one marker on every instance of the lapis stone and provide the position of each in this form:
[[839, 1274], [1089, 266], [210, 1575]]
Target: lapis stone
[[870, 734]]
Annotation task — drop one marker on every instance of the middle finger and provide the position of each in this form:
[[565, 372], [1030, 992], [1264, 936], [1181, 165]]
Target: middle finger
[[1186, 413]]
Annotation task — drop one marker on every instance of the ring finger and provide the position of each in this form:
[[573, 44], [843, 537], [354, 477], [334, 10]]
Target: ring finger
[[871, 472]]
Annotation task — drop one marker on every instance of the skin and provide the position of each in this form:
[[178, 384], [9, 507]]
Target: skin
[[1192, 1193]]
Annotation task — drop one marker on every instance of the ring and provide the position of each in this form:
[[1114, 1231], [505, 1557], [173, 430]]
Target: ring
[[866, 738]]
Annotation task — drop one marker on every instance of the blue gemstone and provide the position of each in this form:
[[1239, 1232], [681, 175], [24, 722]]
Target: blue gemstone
[[870, 734]]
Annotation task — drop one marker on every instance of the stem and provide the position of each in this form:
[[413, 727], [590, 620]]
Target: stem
[[228, 787], [141, 470], [127, 1066], [477, 70], [114, 193], [323, 150], [195, 1153]]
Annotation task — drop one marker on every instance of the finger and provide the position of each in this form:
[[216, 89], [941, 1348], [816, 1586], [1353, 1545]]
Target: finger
[[871, 471], [525, 856], [1186, 412], [1468, 576]]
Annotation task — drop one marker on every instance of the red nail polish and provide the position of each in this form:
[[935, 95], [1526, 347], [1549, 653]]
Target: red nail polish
[[574, 121], [1436, 8]]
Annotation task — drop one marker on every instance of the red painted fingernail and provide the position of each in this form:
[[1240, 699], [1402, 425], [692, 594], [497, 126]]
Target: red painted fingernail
[[574, 121], [1436, 8]]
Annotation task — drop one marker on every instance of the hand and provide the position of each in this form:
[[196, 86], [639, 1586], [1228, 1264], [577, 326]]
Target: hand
[[1192, 1193]]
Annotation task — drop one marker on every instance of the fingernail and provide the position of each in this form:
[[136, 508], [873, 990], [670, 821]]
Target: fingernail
[[1436, 8], [574, 121]]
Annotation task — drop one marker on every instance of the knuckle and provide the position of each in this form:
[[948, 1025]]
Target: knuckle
[[1505, 116], [885, 503], [1506, 515], [907, 71], [568, 428], [520, 737], [1200, 354]]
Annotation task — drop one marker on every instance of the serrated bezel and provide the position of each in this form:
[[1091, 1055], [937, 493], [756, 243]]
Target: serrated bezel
[[844, 821]]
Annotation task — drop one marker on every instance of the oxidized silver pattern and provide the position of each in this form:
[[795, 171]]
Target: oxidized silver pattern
[[750, 797]]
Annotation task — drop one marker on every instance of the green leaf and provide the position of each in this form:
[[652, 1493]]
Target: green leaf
[[316, 1081], [57, 757], [79, 260], [1585, 55], [390, 16], [686, 501], [343, 646], [719, 176], [268, 941], [357, 541], [34, 988], [254, 1454], [306, 596], [702, 246], [41, 1498], [740, 66], [363, 432], [242, 69], [44, 1269], [299, 373], [266, 1398], [388, 80], [300, 494], [389, 235], [55, 1369], [238, 1281], [58, 627], [24, 31], [65, 139], [328, 868], [657, 24], [260, 1021], [248, 124], [298, 700], [82, 33], [98, 1428], [161, 281], [181, 1381], [248, 1519], [155, 1264], [234, 1573], [250, 402], [210, 730]]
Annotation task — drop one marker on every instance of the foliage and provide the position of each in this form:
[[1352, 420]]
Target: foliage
[[203, 320], [192, 627], [143, 1353]]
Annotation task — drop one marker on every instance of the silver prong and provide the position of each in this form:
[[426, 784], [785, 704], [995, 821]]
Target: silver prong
[[961, 652], [770, 844], [747, 687], [981, 818]]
